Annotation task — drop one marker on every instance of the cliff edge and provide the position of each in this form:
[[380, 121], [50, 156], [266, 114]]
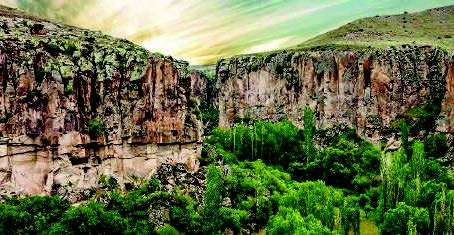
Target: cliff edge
[[76, 105], [367, 89]]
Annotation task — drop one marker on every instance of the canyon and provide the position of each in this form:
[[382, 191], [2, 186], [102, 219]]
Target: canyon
[[76, 105]]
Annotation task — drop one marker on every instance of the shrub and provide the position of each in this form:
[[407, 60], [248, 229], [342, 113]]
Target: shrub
[[96, 128], [69, 90], [167, 230]]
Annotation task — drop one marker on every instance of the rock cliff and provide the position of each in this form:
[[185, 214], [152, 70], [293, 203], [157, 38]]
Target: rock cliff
[[76, 105], [366, 89]]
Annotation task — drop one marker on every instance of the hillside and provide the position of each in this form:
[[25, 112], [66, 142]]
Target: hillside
[[431, 27]]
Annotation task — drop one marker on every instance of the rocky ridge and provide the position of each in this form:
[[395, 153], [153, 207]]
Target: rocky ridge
[[76, 105], [365, 89]]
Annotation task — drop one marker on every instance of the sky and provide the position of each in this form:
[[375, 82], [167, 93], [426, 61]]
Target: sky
[[203, 31]]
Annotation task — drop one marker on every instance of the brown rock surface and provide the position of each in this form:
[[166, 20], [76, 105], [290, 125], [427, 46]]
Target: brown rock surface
[[56, 80], [446, 123], [365, 89]]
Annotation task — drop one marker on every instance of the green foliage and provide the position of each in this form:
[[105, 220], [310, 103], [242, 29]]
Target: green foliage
[[395, 30], [349, 165], [444, 213], [275, 144], [412, 193], [254, 188], [393, 174], [213, 200], [32, 95], [96, 128], [237, 119], [6, 117], [210, 116], [397, 220], [30, 214], [350, 215], [109, 182], [436, 146], [184, 216], [91, 219], [235, 219], [363, 200], [167, 230], [192, 104], [70, 48], [69, 90], [348, 162], [311, 198], [210, 74], [413, 185], [419, 118], [404, 136], [290, 221], [308, 131]]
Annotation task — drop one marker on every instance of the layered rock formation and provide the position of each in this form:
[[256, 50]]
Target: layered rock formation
[[76, 105], [365, 89]]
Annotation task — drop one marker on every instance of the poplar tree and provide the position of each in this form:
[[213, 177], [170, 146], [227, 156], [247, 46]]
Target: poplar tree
[[308, 133]]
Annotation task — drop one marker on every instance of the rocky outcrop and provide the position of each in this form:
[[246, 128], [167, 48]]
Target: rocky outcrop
[[446, 123], [365, 89], [76, 105]]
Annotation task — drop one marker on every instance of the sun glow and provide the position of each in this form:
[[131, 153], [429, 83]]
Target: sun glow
[[203, 31]]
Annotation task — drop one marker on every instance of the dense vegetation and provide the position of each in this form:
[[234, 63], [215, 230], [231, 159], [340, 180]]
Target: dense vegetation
[[271, 176]]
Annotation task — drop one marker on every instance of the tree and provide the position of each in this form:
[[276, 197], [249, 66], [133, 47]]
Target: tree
[[290, 221], [393, 172], [312, 198], [308, 133], [213, 199], [397, 220], [184, 216], [90, 219], [30, 214], [350, 215], [444, 213], [404, 130], [364, 203], [367, 209], [167, 230], [436, 146]]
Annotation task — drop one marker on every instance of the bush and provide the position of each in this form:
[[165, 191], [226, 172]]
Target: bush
[[436, 146], [397, 220], [290, 221], [96, 128], [167, 230], [91, 219], [69, 90]]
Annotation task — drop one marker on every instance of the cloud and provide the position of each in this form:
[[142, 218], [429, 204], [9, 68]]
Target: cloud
[[202, 31]]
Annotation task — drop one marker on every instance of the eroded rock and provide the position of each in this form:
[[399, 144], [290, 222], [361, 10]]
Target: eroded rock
[[364, 89], [76, 105]]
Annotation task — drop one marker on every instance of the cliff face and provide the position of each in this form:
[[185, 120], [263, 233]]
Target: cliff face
[[368, 90], [76, 105]]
